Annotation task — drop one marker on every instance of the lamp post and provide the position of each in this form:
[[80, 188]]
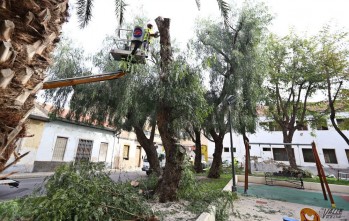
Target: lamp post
[[231, 100]]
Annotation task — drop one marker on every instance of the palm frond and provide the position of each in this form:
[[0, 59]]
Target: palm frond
[[120, 8], [198, 3], [224, 8], [84, 12]]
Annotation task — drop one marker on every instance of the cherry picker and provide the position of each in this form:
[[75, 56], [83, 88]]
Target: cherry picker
[[119, 54]]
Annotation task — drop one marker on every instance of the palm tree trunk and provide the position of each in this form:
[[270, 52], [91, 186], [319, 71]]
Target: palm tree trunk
[[28, 34]]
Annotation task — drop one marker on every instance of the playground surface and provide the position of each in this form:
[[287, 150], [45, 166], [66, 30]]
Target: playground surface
[[263, 202]]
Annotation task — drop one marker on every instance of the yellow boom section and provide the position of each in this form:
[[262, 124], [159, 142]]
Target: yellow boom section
[[82, 80]]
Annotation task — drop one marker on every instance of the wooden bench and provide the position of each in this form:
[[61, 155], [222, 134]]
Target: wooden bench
[[270, 179]]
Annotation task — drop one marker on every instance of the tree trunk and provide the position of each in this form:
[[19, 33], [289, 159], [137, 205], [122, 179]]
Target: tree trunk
[[332, 108], [245, 138], [168, 185], [149, 149], [28, 33], [197, 163], [217, 156], [334, 124], [290, 152]]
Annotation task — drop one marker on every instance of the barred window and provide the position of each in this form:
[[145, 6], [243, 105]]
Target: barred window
[[308, 155], [84, 150], [330, 155], [280, 154]]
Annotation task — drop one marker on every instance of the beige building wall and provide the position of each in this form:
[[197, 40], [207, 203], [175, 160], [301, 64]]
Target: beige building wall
[[31, 143], [132, 160]]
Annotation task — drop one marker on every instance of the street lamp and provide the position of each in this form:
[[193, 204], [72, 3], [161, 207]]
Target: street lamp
[[231, 100]]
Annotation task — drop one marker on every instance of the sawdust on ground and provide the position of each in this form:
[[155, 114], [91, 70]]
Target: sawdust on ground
[[260, 209]]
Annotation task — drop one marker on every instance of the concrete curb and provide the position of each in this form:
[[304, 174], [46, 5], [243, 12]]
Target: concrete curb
[[205, 216], [30, 175], [46, 174]]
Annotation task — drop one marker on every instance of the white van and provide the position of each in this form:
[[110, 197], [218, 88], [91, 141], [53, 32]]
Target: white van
[[146, 166]]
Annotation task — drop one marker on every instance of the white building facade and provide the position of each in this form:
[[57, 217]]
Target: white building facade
[[332, 149]]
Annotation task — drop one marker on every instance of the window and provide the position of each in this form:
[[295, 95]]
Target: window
[[84, 150], [329, 155], [227, 149], [59, 150], [103, 152], [266, 149], [347, 153], [126, 152], [308, 155], [343, 123], [280, 154]]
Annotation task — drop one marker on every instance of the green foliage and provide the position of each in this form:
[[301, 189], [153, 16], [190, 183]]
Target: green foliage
[[69, 61], [183, 93], [316, 179], [226, 167], [293, 78], [149, 185], [222, 209], [83, 191], [9, 210], [204, 193], [188, 183], [234, 60], [292, 81]]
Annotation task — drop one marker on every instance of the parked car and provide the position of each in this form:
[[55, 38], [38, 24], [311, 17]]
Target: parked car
[[146, 166]]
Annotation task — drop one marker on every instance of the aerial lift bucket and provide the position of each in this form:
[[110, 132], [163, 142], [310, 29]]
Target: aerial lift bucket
[[136, 41]]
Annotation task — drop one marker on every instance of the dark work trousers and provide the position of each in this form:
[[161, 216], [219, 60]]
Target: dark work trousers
[[137, 45]]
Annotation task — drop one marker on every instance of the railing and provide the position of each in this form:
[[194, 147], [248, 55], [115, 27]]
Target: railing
[[343, 176]]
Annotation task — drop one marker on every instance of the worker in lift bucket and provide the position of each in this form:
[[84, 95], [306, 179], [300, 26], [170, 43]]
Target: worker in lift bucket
[[148, 37]]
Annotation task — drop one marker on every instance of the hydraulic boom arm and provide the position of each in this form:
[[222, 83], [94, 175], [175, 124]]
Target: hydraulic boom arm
[[82, 80]]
